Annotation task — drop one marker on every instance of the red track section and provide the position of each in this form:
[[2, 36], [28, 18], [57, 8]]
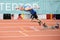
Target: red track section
[[27, 30]]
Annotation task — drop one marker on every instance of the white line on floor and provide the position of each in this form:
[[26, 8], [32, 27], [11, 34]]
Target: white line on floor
[[17, 31], [31, 36]]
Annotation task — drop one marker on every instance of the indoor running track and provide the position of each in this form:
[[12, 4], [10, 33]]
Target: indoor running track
[[27, 30]]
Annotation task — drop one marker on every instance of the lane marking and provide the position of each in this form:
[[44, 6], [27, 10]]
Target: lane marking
[[31, 36], [17, 31]]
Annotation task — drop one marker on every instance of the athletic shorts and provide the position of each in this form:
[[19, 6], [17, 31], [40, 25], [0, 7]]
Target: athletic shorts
[[34, 16]]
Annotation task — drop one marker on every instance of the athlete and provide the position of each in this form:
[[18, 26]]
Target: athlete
[[32, 12]]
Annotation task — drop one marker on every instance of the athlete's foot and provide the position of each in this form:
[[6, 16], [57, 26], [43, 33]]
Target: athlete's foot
[[40, 23]]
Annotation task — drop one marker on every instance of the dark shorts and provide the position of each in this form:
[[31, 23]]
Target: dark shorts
[[34, 16]]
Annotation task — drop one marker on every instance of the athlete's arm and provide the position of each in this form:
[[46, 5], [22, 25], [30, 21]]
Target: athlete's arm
[[20, 8], [27, 9], [23, 9]]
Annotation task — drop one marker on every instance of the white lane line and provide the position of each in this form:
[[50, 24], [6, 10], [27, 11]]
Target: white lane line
[[31, 36], [44, 35], [17, 31], [11, 36], [8, 27], [15, 26], [25, 30], [9, 31], [20, 23], [23, 23]]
